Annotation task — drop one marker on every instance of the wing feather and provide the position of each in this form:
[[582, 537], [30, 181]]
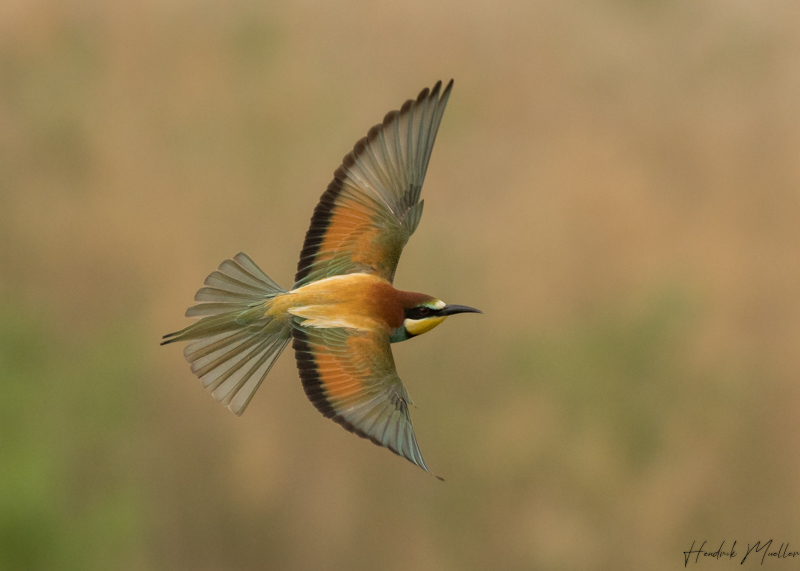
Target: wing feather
[[350, 378], [371, 208]]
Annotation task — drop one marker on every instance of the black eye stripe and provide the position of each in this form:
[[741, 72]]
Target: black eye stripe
[[419, 312]]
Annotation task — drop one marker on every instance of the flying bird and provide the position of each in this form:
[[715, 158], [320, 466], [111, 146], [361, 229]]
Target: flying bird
[[342, 312]]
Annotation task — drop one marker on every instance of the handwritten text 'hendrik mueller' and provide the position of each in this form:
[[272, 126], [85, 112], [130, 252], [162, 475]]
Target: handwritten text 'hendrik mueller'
[[764, 550]]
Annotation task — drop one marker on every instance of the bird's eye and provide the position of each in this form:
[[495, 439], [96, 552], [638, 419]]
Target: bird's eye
[[424, 311]]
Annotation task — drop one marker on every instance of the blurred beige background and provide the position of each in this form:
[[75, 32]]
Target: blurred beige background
[[615, 184]]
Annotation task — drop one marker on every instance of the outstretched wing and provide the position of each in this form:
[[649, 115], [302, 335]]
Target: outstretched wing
[[349, 375], [372, 206]]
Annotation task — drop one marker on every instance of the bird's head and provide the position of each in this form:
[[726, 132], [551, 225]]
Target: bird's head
[[420, 316]]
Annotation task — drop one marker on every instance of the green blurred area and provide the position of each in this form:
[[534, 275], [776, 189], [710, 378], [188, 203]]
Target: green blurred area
[[72, 492], [615, 185]]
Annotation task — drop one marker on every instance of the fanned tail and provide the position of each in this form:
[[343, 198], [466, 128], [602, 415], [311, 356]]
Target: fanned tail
[[234, 344]]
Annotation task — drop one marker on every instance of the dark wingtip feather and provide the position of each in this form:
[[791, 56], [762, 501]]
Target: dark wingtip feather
[[390, 116], [422, 95], [448, 88], [373, 132], [360, 146]]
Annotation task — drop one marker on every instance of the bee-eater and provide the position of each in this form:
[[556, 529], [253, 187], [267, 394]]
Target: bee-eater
[[342, 312]]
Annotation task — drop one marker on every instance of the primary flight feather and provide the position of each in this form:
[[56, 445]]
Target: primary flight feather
[[342, 312]]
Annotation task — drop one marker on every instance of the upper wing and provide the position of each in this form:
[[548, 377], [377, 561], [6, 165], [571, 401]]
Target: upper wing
[[350, 377], [372, 206]]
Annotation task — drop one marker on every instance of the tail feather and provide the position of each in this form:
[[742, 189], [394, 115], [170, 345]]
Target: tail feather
[[233, 344], [211, 308], [246, 270], [236, 386], [203, 351]]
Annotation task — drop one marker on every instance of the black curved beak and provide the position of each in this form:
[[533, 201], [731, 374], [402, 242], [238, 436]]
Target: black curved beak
[[453, 309]]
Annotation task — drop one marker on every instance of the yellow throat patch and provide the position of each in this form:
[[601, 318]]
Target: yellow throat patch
[[420, 326]]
